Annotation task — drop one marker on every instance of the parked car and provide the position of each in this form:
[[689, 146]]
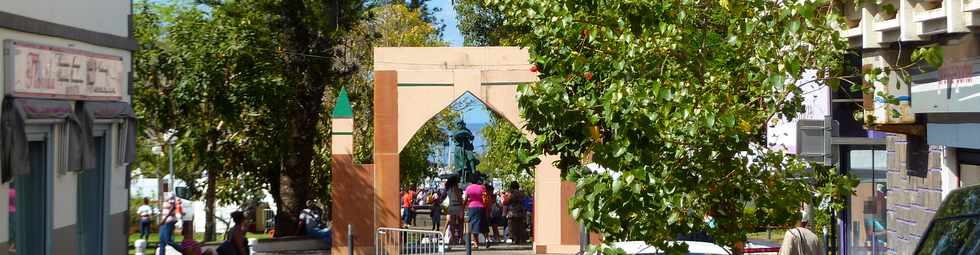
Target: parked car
[[955, 229], [693, 248]]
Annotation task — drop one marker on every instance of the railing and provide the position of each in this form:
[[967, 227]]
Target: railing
[[391, 241]]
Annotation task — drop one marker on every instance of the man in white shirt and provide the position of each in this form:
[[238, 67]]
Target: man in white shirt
[[145, 212], [800, 240], [310, 218]]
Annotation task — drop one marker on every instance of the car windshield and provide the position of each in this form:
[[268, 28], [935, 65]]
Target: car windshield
[[952, 236]]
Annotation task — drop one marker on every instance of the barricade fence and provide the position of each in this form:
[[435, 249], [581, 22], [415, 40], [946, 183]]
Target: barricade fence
[[395, 241]]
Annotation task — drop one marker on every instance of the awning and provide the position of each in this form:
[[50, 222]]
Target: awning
[[16, 113], [88, 112]]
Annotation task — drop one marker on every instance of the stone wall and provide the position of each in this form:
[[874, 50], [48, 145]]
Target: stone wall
[[912, 201]]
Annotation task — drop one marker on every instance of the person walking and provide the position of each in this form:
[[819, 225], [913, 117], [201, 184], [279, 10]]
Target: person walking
[[515, 213], [435, 205], [168, 222], [145, 212], [475, 209], [494, 214], [455, 210], [407, 207], [800, 240], [413, 202]]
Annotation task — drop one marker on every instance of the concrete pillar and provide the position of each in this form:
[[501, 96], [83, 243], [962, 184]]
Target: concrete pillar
[[554, 229], [352, 192], [386, 180]]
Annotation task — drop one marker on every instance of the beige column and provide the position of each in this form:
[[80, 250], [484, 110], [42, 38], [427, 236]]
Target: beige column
[[554, 229]]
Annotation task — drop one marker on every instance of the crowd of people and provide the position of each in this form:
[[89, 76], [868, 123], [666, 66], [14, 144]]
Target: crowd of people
[[172, 212], [477, 210]]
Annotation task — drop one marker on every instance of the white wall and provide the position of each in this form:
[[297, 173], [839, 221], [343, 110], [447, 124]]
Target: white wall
[[64, 187], [105, 16], [118, 194], [817, 103]]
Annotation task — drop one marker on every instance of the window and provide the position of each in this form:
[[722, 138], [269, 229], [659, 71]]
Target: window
[[969, 167], [867, 217]]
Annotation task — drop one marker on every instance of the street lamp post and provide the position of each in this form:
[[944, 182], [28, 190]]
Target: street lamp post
[[169, 140], [170, 155]]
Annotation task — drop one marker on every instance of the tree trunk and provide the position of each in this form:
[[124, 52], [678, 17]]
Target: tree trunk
[[310, 77], [209, 195]]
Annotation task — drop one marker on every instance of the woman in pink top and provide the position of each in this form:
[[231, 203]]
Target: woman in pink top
[[474, 204]]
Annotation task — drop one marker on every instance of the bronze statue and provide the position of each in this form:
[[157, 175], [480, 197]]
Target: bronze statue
[[464, 159]]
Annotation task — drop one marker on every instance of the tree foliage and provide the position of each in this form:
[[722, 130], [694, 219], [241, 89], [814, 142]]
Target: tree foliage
[[674, 97], [414, 160], [483, 25], [509, 154], [247, 85], [388, 25]]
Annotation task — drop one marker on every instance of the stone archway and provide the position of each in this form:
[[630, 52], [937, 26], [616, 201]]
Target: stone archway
[[411, 85]]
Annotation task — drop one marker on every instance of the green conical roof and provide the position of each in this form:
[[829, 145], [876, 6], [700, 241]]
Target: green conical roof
[[343, 109]]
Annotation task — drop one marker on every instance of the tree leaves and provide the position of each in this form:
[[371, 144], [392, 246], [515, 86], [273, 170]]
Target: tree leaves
[[681, 95], [932, 54]]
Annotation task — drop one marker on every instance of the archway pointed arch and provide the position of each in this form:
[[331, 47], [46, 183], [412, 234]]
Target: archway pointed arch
[[411, 85]]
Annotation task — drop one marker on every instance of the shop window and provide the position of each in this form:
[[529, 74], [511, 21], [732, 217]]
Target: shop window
[[969, 167], [867, 216]]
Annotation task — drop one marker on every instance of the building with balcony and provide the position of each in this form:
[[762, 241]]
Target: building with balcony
[[931, 143], [67, 131]]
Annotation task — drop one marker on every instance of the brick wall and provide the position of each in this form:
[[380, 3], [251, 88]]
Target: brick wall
[[912, 201]]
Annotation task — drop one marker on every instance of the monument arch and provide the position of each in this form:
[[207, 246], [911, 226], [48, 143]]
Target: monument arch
[[410, 86]]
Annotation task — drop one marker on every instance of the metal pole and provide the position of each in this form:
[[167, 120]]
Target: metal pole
[[350, 240], [173, 185], [583, 240], [469, 245]]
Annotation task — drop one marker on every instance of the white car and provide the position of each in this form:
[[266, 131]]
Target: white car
[[693, 248]]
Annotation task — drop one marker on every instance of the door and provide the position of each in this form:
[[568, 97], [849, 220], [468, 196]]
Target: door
[[91, 203], [866, 214], [30, 219]]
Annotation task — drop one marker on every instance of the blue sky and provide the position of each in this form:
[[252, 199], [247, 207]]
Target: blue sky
[[447, 15]]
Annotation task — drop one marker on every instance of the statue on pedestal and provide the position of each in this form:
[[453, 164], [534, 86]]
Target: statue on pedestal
[[464, 159]]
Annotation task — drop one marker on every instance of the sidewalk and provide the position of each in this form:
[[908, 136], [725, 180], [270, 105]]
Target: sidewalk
[[494, 249]]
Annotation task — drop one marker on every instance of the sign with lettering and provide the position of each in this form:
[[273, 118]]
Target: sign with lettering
[[954, 87], [39, 71]]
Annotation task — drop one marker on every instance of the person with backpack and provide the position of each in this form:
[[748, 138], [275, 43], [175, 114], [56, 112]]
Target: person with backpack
[[516, 213]]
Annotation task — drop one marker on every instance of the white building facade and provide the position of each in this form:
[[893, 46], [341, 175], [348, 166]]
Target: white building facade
[[67, 129], [932, 146]]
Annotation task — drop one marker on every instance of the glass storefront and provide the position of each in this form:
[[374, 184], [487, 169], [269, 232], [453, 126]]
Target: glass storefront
[[867, 224]]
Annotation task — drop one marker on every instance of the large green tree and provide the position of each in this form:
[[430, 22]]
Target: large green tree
[[673, 98], [195, 80], [253, 82]]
